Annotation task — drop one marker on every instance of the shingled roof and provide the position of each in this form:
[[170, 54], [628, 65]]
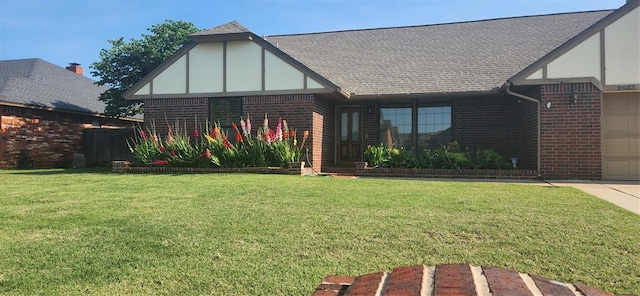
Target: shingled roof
[[476, 56], [37, 83], [228, 28]]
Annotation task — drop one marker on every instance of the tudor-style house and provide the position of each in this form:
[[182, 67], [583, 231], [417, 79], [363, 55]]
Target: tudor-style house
[[560, 92]]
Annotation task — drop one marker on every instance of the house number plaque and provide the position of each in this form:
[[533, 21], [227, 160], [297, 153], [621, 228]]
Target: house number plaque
[[627, 87]]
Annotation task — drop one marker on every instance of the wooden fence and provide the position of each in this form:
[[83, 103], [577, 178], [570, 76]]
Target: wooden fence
[[104, 145]]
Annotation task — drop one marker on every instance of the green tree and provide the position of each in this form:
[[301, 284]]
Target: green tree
[[126, 63]]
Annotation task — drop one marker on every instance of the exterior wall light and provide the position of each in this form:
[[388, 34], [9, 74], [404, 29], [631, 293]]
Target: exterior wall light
[[574, 97]]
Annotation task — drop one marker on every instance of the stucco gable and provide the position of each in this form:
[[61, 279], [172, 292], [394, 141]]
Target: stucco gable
[[229, 60], [606, 54]]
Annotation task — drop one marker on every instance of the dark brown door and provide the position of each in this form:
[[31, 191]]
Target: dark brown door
[[349, 135]]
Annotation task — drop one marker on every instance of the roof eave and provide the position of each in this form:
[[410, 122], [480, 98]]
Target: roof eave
[[493, 91], [54, 109], [222, 37]]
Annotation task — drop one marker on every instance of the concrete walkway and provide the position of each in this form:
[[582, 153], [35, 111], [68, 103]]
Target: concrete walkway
[[621, 193]]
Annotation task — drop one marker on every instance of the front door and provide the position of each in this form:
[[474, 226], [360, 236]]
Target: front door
[[350, 135]]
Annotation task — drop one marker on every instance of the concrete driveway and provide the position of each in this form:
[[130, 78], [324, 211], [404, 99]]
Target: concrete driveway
[[622, 193]]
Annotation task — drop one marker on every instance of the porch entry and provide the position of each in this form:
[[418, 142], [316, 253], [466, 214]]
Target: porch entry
[[349, 135]]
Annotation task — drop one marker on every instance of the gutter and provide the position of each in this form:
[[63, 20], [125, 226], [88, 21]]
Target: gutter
[[435, 95], [344, 93], [508, 85]]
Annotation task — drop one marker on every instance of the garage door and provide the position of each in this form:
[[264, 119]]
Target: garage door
[[621, 136]]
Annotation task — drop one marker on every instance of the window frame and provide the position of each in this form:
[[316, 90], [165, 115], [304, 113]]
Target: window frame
[[229, 113], [396, 106], [414, 106], [417, 133]]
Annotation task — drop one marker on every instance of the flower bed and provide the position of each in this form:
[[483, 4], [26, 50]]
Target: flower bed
[[292, 169], [209, 147], [365, 171], [443, 162]]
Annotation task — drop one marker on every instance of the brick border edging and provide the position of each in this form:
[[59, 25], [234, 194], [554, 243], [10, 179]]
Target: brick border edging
[[362, 170], [125, 167], [449, 279]]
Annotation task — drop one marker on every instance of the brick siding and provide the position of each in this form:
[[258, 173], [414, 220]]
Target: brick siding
[[488, 123], [500, 123], [570, 132], [324, 127], [51, 137], [528, 135], [371, 124], [298, 110], [164, 112], [302, 112]]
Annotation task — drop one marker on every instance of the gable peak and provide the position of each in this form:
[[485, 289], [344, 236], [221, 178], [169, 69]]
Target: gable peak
[[228, 28]]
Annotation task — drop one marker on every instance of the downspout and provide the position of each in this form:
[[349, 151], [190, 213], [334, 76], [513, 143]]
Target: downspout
[[508, 85]]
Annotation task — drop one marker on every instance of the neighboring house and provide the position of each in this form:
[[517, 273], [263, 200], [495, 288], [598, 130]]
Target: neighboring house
[[559, 92], [44, 109]]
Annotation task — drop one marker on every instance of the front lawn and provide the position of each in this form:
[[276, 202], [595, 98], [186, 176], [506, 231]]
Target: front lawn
[[94, 232]]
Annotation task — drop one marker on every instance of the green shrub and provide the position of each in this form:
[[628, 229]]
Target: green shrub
[[443, 157], [377, 155], [488, 159], [400, 158]]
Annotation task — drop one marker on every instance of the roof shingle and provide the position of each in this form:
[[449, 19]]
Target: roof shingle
[[36, 82], [228, 28], [472, 56]]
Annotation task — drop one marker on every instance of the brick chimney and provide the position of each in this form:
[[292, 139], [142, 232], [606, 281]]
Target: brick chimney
[[75, 68]]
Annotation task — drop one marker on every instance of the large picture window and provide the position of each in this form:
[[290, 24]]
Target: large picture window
[[430, 128], [434, 127], [225, 110], [396, 127]]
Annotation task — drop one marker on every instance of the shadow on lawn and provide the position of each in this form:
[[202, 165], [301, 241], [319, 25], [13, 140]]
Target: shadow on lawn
[[45, 172]]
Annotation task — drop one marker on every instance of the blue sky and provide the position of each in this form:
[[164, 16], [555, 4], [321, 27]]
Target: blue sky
[[63, 31]]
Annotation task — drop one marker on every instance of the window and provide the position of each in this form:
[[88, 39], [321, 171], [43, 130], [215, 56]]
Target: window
[[434, 127], [225, 110], [396, 127], [430, 129]]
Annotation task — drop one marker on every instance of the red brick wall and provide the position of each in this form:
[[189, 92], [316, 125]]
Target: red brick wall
[[298, 110], [51, 137], [488, 123], [499, 123], [165, 112], [570, 132], [324, 145], [371, 124], [528, 135], [302, 112]]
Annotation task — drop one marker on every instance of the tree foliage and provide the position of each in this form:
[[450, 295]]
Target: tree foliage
[[126, 63]]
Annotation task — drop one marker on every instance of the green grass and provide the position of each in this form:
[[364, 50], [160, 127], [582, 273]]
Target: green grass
[[90, 231]]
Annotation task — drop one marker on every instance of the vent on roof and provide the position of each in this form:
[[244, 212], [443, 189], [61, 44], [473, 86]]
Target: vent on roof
[[75, 68]]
